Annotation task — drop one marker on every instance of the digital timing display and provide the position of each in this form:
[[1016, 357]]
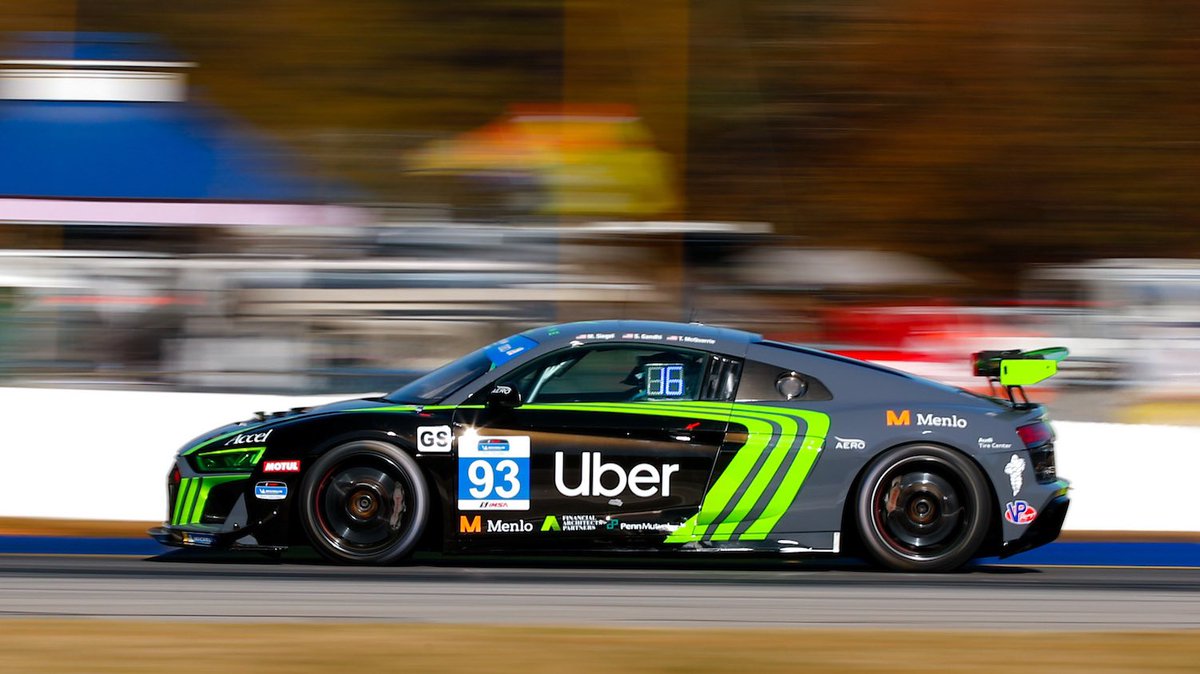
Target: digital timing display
[[664, 380]]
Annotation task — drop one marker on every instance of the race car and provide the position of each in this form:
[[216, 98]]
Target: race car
[[638, 436]]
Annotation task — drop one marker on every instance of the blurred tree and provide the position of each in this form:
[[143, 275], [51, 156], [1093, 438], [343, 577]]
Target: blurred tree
[[978, 133], [983, 134]]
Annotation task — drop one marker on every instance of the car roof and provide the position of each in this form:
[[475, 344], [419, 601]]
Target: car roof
[[696, 335]]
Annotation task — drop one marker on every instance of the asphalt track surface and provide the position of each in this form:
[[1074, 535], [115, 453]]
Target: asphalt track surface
[[605, 592]]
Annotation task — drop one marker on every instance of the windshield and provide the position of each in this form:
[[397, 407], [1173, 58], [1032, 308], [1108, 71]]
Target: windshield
[[447, 379]]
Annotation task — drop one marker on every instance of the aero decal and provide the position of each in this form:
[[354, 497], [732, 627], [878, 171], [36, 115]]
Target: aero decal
[[761, 481], [193, 493]]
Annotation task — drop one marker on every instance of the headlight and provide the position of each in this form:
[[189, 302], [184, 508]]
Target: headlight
[[229, 460]]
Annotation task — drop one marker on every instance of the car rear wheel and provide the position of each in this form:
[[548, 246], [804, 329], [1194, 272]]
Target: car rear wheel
[[364, 502], [922, 508]]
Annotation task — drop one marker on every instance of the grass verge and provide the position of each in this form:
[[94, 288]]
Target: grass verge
[[298, 648]]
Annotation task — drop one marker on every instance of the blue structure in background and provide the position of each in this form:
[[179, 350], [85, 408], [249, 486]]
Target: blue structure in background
[[133, 149]]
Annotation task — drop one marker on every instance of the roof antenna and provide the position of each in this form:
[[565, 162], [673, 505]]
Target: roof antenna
[[692, 314]]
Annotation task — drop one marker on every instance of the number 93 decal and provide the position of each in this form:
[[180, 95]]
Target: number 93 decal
[[493, 473]]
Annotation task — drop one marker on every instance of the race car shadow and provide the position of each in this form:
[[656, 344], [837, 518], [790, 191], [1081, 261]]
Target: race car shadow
[[306, 557]]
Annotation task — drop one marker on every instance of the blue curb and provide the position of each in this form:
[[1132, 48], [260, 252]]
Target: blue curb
[[70, 545], [1099, 553], [1055, 554]]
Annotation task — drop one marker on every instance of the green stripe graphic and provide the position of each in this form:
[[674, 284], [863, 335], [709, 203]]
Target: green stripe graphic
[[180, 495], [189, 494], [193, 494], [759, 440]]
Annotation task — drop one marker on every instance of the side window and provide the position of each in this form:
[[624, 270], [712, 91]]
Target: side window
[[617, 373], [765, 382]]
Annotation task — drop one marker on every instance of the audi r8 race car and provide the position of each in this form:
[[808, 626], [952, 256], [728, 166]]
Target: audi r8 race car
[[635, 435]]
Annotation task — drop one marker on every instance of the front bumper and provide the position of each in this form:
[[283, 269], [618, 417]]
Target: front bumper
[[213, 538], [222, 511]]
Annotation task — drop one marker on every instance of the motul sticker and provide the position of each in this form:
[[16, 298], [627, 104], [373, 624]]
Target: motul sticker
[[288, 466]]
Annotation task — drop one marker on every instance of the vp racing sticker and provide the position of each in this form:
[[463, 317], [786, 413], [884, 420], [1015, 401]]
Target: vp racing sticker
[[493, 473], [1019, 512]]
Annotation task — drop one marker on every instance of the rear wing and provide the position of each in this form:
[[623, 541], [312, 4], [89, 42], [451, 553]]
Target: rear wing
[[1016, 369]]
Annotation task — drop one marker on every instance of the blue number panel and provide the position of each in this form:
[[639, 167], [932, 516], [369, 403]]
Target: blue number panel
[[493, 473]]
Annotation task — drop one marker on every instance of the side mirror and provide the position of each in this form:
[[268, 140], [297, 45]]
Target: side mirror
[[503, 397]]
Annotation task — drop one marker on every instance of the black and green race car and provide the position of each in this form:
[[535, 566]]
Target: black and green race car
[[634, 436]]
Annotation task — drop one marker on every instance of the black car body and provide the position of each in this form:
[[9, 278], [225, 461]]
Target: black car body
[[633, 435]]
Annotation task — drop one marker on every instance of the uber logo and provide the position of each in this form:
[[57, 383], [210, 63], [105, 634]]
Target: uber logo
[[434, 439]]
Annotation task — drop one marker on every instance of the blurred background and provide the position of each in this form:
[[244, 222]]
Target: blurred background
[[302, 196]]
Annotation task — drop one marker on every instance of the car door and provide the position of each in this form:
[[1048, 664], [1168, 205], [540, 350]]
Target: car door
[[612, 442]]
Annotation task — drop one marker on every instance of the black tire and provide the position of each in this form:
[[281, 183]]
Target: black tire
[[922, 508], [364, 502]]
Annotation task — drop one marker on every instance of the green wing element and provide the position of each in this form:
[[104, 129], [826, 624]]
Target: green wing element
[[1019, 368], [1026, 372]]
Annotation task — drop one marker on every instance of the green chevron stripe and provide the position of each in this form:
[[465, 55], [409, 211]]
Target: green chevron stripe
[[193, 510], [189, 494], [777, 453], [739, 470], [793, 480], [810, 449], [180, 494]]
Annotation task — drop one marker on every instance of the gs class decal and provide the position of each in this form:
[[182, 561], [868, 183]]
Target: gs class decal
[[493, 473], [434, 439]]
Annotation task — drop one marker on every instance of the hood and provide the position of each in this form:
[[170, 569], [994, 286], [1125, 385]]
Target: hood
[[264, 420]]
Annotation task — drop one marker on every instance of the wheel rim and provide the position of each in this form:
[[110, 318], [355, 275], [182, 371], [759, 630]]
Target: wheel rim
[[919, 509], [362, 505]]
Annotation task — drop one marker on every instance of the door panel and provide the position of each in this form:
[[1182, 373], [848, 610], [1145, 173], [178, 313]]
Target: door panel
[[621, 439], [601, 470]]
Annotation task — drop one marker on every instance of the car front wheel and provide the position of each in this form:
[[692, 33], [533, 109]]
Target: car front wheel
[[364, 502]]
